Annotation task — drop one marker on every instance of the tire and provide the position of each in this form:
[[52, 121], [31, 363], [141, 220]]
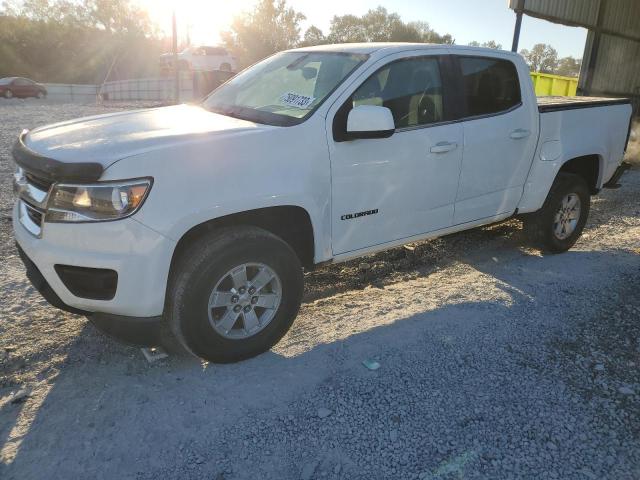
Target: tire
[[8, 94], [205, 268], [545, 227], [40, 95]]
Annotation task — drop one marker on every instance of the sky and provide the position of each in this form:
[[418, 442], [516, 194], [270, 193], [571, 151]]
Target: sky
[[465, 20]]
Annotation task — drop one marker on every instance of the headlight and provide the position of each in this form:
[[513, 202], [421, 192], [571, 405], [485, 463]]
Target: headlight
[[96, 202]]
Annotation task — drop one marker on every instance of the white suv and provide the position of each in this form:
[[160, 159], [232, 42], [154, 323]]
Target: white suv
[[203, 58]]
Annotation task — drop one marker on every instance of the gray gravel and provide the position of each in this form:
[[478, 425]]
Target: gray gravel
[[495, 362]]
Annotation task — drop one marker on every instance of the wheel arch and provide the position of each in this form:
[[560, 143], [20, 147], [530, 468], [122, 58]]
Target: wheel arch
[[589, 167], [290, 222], [589, 164]]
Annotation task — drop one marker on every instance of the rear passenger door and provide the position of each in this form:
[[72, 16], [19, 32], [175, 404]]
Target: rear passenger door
[[500, 135]]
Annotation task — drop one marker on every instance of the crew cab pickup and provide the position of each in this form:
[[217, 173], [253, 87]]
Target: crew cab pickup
[[201, 218]]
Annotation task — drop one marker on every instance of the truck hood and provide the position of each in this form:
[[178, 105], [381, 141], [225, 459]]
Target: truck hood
[[105, 139]]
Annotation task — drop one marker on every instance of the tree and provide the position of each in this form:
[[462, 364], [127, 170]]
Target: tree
[[346, 29], [270, 28], [76, 40], [541, 58], [569, 67], [313, 36], [426, 34], [381, 26], [490, 44], [117, 16]]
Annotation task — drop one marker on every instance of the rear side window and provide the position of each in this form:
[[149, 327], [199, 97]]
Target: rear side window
[[490, 85], [410, 88]]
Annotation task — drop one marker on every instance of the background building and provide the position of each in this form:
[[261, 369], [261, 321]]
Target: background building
[[611, 61]]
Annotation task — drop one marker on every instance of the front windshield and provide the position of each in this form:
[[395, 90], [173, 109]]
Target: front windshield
[[283, 89]]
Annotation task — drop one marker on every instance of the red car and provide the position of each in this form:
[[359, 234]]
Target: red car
[[21, 87]]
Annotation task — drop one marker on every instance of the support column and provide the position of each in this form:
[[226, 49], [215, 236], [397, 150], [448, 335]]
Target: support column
[[595, 47], [176, 67], [516, 30]]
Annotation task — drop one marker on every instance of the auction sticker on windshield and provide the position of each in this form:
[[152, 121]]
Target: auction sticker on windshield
[[296, 100]]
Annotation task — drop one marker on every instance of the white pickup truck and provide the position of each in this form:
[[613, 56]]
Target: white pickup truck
[[202, 217]]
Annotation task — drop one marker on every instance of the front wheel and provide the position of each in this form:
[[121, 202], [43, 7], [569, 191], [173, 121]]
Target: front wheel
[[557, 226], [40, 95], [8, 94], [234, 294]]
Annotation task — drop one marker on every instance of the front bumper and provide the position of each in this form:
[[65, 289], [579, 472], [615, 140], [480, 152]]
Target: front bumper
[[139, 331], [41, 285], [140, 256]]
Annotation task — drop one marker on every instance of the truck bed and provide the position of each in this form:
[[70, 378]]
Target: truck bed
[[553, 104]]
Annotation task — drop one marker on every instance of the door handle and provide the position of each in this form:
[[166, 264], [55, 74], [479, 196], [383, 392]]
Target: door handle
[[519, 133], [443, 147]]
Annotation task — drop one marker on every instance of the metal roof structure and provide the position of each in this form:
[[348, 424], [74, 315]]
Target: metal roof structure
[[611, 61]]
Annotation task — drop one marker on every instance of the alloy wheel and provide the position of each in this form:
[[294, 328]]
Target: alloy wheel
[[567, 216], [244, 301]]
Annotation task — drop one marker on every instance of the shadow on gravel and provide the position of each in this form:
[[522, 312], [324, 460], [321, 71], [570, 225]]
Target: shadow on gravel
[[114, 416], [11, 414], [417, 259]]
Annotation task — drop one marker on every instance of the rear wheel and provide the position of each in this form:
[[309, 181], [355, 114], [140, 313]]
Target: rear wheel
[[8, 94], [235, 294], [559, 223]]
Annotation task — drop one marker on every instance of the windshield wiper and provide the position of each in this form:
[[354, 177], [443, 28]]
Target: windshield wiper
[[228, 110], [254, 115]]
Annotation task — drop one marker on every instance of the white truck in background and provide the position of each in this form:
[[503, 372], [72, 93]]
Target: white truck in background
[[201, 218], [201, 59]]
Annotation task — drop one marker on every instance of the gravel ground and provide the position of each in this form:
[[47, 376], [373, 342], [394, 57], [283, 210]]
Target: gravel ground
[[495, 362]]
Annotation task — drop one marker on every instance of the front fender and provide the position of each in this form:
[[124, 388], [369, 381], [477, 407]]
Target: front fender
[[209, 179], [198, 217]]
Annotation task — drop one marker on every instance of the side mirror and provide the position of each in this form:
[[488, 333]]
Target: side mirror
[[370, 121]]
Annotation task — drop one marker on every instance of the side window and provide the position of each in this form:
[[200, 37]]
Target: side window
[[490, 85], [410, 88]]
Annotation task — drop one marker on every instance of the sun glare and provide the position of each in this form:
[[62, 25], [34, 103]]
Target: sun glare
[[201, 21]]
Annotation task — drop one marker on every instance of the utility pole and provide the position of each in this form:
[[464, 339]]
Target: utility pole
[[516, 31], [176, 67]]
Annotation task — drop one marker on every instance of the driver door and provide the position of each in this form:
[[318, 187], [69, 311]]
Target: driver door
[[387, 189]]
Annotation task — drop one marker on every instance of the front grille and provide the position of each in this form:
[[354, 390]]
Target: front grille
[[34, 214], [41, 183], [32, 191]]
